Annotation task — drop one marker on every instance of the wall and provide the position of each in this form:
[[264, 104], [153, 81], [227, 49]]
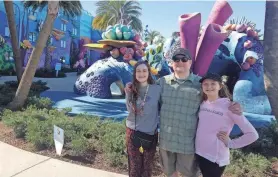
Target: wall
[[27, 23]]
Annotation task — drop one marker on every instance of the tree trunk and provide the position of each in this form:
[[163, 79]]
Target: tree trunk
[[13, 33], [28, 75], [271, 53], [47, 61]]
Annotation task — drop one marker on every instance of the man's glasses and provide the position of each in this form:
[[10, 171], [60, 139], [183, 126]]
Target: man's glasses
[[183, 59]]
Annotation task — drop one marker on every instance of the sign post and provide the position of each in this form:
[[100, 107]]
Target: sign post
[[58, 67], [58, 139]]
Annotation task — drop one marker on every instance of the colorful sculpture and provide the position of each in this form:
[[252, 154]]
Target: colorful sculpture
[[233, 51], [154, 56], [6, 56], [124, 49]]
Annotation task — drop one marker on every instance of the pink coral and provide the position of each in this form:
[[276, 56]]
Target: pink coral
[[123, 50], [130, 51]]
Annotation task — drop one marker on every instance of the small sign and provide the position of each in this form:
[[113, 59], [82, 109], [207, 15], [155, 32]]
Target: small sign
[[58, 139], [58, 66]]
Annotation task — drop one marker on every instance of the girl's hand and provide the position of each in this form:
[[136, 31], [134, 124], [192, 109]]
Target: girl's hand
[[235, 108], [128, 87], [224, 137]]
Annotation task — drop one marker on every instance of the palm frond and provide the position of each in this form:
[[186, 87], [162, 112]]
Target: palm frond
[[100, 22], [136, 24], [71, 8], [151, 36], [125, 12]]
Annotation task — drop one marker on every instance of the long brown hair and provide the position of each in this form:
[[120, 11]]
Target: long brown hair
[[223, 92], [135, 82]]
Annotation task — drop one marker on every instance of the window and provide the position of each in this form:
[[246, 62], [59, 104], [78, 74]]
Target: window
[[7, 31], [32, 37], [63, 27], [32, 12], [74, 31], [51, 41], [63, 44], [60, 13]]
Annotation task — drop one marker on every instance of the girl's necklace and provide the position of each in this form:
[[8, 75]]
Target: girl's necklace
[[141, 107]]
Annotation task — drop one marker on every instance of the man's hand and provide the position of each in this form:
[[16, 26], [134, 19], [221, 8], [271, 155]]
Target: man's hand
[[128, 87], [224, 137], [235, 108]]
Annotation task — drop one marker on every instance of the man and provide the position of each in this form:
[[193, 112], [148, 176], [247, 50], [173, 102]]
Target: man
[[180, 101], [181, 98]]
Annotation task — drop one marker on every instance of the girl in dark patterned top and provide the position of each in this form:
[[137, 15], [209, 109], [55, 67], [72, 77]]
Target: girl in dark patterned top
[[142, 101]]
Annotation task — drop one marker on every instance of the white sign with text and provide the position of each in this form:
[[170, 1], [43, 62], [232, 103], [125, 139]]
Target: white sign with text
[[58, 139]]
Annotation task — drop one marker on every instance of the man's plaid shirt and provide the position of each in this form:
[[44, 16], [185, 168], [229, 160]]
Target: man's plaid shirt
[[179, 113]]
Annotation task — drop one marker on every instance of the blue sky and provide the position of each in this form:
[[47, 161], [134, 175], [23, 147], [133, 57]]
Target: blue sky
[[163, 15]]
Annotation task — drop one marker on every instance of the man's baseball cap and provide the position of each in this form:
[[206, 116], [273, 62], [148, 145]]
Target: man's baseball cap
[[212, 76], [182, 51]]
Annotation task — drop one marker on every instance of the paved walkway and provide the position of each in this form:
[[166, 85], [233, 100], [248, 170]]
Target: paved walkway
[[15, 162]]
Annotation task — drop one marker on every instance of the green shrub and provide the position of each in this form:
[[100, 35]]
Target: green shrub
[[16, 120], [68, 70], [247, 165], [6, 98], [267, 144], [12, 84], [6, 94], [7, 90], [83, 133], [9, 72], [37, 86], [36, 126], [39, 102], [40, 133], [113, 142], [43, 73]]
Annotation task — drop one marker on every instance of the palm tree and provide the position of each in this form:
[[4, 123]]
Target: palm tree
[[114, 12], [159, 40], [47, 61], [175, 35], [151, 36], [271, 53], [71, 8], [12, 26]]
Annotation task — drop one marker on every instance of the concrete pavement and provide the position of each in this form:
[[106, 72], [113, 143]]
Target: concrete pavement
[[55, 84], [15, 162]]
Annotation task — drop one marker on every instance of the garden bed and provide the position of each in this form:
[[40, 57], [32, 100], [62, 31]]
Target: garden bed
[[97, 144], [93, 160], [88, 140]]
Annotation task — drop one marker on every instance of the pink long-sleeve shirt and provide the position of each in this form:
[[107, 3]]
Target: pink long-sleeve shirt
[[213, 118]]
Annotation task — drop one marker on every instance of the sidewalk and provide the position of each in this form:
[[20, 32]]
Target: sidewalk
[[15, 162]]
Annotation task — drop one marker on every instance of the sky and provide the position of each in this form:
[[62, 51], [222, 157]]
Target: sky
[[163, 16]]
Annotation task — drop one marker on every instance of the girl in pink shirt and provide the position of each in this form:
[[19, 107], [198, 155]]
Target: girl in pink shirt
[[215, 124]]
